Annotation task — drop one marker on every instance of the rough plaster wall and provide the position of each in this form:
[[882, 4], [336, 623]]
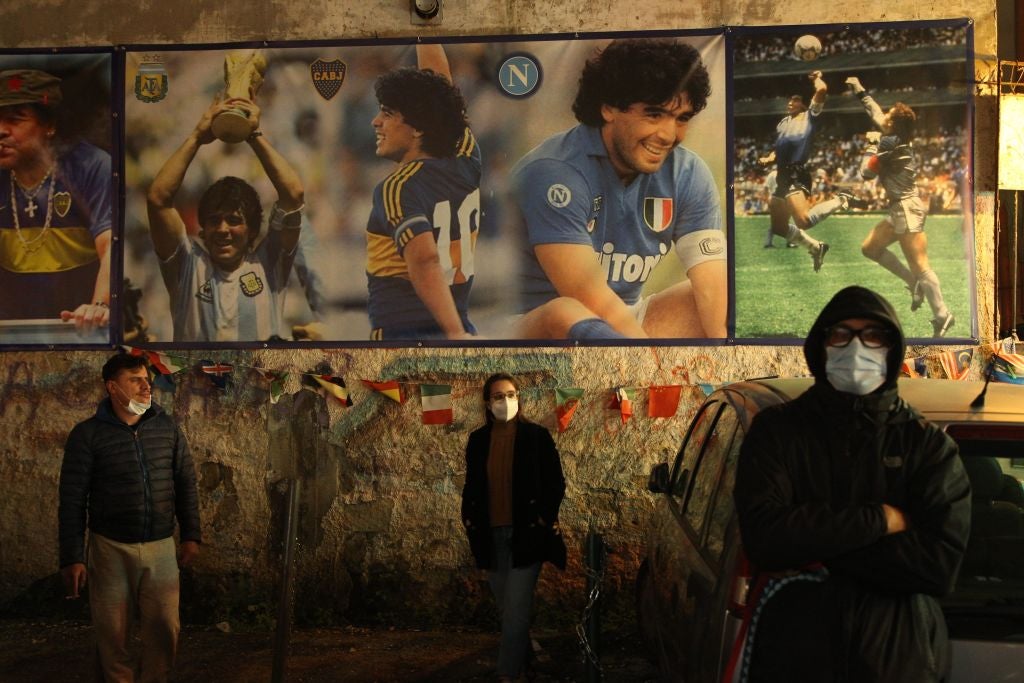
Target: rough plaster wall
[[379, 519]]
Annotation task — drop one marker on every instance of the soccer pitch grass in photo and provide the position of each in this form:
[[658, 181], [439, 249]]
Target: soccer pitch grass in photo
[[778, 294]]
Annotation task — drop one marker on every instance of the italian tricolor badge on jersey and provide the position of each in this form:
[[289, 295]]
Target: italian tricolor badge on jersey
[[657, 212]]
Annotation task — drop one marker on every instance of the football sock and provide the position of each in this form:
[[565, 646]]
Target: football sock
[[928, 281], [594, 328], [798, 236], [823, 210], [892, 263]]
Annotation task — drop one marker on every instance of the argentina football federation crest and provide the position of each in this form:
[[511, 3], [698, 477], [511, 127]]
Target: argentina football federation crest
[[205, 293], [327, 76], [151, 82], [657, 212], [251, 284]]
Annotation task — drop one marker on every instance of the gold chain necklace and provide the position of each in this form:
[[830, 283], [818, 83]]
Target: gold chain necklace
[[34, 244]]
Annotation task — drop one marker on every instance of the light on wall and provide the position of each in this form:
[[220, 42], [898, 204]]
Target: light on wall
[[425, 11]]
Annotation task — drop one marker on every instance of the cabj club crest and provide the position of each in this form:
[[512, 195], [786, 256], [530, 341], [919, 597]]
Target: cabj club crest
[[151, 82], [327, 76]]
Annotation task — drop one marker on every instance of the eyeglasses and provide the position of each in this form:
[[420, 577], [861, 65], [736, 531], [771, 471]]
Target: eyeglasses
[[506, 394], [872, 337]]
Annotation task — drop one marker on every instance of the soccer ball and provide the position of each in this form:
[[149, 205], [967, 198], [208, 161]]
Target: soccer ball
[[807, 48]]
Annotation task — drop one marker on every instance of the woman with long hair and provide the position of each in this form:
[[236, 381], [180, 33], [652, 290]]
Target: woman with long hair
[[514, 487]]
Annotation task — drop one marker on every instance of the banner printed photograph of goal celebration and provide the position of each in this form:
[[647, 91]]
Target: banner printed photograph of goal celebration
[[57, 198], [328, 193], [852, 153]]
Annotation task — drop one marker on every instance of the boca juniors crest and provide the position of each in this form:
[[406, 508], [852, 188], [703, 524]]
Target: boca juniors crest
[[658, 212], [151, 82], [327, 77]]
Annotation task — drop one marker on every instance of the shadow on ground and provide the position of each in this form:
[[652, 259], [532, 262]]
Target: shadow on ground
[[46, 651]]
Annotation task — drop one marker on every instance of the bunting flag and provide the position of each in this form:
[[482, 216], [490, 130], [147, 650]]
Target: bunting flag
[[1008, 367], [622, 398], [956, 363], [391, 388], [164, 383], [335, 386], [160, 362], [915, 367], [706, 388], [567, 399], [276, 380], [437, 404], [219, 373], [663, 401]]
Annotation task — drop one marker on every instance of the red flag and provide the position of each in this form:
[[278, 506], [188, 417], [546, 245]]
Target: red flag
[[566, 402], [663, 401], [391, 388]]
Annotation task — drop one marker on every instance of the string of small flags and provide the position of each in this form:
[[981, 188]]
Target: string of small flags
[[436, 399], [1004, 359]]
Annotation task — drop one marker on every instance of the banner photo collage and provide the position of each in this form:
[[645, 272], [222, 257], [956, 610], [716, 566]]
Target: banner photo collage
[[699, 187]]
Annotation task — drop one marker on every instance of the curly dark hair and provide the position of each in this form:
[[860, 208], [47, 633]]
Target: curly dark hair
[[232, 194], [429, 103], [903, 120], [640, 70]]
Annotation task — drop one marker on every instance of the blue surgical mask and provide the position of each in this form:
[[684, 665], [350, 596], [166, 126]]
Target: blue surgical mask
[[856, 369]]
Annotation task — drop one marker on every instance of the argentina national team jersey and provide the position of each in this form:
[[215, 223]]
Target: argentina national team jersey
[[795, 135], [568, 193], [438, 195], [44, 270], [209, 304]]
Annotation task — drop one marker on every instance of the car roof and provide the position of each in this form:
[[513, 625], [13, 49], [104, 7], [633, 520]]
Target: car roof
[[940, 400]]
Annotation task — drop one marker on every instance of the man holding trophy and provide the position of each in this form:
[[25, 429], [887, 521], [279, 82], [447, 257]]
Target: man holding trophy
[[227, 284]]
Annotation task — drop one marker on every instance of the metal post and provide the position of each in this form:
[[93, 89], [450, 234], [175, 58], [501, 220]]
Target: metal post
[[284, 605], [592, 625]]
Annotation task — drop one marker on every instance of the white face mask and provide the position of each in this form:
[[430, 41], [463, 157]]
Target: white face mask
[[135, 407], [504, 409], [855, 368]]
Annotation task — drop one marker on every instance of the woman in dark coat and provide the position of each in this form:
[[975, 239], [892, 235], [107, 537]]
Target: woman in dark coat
[[514, 487]]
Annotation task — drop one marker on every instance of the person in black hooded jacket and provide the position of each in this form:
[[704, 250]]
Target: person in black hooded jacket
[[854, 510]]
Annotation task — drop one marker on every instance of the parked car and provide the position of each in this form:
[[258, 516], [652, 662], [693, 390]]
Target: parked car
[[692, 583]]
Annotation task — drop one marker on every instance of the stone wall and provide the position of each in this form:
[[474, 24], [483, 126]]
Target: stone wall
[[379, 529]]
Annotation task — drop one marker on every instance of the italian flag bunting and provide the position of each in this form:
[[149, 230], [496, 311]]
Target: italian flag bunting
[[663, 401], [567, 399], [391, 388], [437, 404], [622, 398]]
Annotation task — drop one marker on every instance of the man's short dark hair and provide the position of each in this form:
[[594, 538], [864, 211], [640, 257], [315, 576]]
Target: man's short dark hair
[[231, 194], [640, 70], [429, 103], [121, 361], [903, 120]]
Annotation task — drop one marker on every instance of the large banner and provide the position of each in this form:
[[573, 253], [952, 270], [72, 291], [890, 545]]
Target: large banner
[[58, 212], [852, 152], [343, 193]]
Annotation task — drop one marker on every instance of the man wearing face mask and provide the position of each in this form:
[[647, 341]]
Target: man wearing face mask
[[514, 487], [855, 512], [127, 476]]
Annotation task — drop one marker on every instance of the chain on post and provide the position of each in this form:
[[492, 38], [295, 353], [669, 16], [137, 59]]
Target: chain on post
[[588, 654]]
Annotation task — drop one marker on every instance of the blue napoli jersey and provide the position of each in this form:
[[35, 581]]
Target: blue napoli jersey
[[795, 135], [441, 196], [57, 269], [568, 193]]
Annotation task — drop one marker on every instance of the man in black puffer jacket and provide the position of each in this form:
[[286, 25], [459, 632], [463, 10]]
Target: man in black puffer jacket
[[128, 472], [856, 510]]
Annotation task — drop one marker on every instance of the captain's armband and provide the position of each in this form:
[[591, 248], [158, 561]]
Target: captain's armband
[[700, 246]]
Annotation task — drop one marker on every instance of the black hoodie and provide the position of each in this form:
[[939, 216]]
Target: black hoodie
[[810, 484]]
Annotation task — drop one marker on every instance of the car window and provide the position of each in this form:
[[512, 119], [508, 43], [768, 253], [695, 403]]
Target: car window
[[709, 469], [722, 507], [686, 458], [990, 586]]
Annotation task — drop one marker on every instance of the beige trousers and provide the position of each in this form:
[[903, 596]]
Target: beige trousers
[[126, 579]]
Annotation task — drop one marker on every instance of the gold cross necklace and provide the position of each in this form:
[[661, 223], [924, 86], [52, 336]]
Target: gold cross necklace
[[35, 243]]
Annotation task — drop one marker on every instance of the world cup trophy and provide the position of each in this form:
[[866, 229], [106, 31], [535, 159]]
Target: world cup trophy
[[243, 77]]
